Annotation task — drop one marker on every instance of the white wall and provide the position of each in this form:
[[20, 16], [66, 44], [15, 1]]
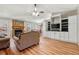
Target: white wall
[[31, 26], [8, 24], [78, 25]]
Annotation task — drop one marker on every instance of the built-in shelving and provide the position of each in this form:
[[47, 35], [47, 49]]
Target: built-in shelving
[[49, 26], [64, 25], [54, 23]]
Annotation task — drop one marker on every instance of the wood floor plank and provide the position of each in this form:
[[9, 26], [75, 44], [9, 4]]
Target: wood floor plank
[[46, 47]]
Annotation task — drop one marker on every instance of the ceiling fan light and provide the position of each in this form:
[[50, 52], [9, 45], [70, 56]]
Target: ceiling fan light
[[37, 14], [35, 9], [33, 13]]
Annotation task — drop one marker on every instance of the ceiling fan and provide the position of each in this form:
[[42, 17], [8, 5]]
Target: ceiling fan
[[35, 12]]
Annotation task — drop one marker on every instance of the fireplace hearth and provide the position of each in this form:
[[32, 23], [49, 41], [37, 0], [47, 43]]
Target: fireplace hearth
[[18, 32]]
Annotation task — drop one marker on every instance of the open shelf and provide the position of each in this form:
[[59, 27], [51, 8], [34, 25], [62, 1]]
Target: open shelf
[[64, 25]]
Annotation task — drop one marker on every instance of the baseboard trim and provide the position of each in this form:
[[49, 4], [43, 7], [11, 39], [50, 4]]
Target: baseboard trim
[[62, 41]]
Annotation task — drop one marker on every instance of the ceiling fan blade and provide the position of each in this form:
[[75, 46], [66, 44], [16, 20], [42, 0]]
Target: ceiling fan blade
[[41, 11]]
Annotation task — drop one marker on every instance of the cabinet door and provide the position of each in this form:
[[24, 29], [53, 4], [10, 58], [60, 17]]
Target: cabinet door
[[52, 35], [72, 19], [62, 36], [73, 29], [48, 34], [56, 35], [73, 33], [66, 36]]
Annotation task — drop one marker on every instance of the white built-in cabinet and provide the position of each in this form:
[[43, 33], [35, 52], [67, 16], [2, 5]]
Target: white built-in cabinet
[[52, 34], [56, 35], [64, 36], [61, 36], [70, 36], [73, 29]]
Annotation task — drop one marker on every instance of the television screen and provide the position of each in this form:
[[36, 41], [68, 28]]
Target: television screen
[[55, 26]]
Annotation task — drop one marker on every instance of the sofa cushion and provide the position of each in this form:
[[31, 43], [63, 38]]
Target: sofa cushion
[[16, 38], [2, 35]]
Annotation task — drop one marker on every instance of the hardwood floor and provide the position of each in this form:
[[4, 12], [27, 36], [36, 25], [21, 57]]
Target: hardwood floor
[[46, 47]]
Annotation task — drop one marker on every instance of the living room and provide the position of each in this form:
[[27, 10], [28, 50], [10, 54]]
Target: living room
[[39, 29]]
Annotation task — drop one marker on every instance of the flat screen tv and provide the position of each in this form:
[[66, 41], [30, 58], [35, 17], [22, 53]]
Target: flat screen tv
[[55, 26]]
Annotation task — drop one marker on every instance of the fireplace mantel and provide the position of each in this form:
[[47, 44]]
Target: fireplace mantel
[[17, 27]]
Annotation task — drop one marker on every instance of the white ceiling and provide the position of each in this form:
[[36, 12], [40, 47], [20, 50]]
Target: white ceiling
[[24, 11]]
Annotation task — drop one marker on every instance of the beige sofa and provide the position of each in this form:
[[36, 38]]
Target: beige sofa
[[4, 43], [27, 39]]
